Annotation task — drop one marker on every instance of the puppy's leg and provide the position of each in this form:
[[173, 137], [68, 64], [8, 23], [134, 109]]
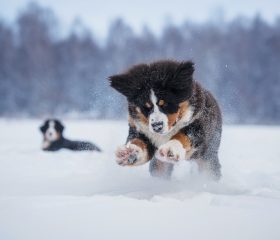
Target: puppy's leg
[[178, 148], [210, 165], [138, 149], [134, 153], [160, 169], [46, 144]]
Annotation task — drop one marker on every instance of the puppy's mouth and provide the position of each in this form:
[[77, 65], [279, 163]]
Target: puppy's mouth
[[161, 133], [51, 136], [159, 128]]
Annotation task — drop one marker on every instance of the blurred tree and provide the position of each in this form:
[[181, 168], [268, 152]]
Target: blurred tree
[[35, 60], [7, 76], [42, 73]]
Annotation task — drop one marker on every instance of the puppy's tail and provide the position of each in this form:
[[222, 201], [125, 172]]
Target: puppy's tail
[[90, 146], [82, 146]]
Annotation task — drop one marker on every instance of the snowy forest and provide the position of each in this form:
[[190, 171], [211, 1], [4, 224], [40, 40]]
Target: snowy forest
[[44, 72]]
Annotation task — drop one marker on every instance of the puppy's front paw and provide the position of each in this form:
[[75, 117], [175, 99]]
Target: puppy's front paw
[[45, 145], [171, 152], [130, 154]]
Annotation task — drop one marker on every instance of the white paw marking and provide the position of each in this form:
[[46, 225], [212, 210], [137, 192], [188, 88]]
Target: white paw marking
[[172, 151], [130, 154], [45, 144]]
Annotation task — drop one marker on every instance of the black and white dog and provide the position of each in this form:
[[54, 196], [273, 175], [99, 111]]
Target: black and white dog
[[52, 130], [171, 118]]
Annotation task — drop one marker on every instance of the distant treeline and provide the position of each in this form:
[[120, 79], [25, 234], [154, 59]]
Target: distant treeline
[[44, 73]]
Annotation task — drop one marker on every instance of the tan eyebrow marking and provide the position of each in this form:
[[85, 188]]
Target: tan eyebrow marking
[[148, 105], [161, 102]]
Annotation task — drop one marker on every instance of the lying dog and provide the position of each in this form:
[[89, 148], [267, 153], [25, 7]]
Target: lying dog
[[52, 130], [171, 118]]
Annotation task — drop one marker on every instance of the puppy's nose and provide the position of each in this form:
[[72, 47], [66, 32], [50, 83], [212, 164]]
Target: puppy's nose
[[157, 126]]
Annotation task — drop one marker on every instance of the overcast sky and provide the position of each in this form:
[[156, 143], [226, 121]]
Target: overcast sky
[[98, 14]]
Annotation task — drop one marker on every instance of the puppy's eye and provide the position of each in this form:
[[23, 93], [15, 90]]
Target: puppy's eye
[[162, 103], [148, 105]]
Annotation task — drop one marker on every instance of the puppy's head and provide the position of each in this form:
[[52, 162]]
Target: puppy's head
[[52, 130], [157, 93]]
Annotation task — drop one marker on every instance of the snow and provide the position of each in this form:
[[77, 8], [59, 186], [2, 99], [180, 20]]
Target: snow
[[82, 195]]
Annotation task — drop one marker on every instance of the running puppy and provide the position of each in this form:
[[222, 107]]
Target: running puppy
[[171, 118], [52, 130]]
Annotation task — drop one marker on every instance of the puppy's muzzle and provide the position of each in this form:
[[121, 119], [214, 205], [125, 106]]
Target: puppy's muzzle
[[157, 126]]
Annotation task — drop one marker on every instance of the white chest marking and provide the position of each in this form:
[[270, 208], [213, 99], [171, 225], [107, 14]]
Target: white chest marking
[[159, 139], [51, 134]]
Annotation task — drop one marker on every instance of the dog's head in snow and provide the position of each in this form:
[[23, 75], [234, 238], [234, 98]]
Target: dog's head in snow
[[158, 93], [52, 130]]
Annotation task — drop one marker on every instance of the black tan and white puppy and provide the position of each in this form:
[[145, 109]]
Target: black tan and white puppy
[[171, 118], [52, 130]]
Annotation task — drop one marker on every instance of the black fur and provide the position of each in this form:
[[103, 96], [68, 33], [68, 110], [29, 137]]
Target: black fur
[[62, 142], [72, 145], [173, 82], [58, 126]]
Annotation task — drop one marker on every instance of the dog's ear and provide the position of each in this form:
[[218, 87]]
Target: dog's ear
[[124, 84], [183, 76], [59, 126], [44, 127]]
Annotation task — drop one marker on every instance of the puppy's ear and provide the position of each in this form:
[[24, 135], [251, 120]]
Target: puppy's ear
[[59, 126], [123, 84], [183, 76], [43, 128]]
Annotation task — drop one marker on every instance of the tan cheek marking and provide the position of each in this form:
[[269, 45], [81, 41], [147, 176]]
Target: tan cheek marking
[[184, 139], [131, 121], [58, 135], [142, 117], [184, 107], [172, 118]]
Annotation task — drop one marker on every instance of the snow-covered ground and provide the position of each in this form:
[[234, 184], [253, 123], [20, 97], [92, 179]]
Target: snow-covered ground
[[81, 195]]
